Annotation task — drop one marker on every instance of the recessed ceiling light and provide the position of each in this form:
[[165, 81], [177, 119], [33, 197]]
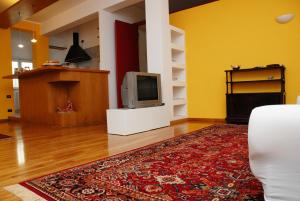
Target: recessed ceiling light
[[20, 46]]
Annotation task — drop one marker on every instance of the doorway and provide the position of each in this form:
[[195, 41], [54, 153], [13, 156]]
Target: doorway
[[21, 46]]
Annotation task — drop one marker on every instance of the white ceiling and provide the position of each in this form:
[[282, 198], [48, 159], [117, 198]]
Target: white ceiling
[[5, 4], [136, 11], [54, 9]]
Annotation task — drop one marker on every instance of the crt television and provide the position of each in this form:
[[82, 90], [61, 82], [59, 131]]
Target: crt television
[[141, 89]]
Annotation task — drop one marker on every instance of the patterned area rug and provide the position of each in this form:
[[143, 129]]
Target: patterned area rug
[[209, 164], [4, 137]]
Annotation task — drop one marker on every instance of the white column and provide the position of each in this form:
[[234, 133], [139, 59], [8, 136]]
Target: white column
[[158, 45], [107, 52]]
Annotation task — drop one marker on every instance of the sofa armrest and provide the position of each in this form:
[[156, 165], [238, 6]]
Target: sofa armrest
[[274, 150]]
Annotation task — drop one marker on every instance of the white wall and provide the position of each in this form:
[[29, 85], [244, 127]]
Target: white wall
[[143, 48], [107, 52], [107, 47], [131, 14], [158, 45], [88, 32]]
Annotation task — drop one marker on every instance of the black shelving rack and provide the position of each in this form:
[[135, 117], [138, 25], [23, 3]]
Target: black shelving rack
[[240, 105]]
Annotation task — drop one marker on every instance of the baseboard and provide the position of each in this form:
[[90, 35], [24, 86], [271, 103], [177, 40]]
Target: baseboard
[[207, 120], [200, 120], [179, 121]]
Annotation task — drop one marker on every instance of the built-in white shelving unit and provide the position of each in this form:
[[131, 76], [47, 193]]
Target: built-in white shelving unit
[[178, 65]]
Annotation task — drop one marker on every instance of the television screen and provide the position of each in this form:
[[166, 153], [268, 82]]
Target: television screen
[[147, 88]]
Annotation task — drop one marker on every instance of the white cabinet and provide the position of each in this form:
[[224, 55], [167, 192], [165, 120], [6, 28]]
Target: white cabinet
[[178, 66], [131, 121]]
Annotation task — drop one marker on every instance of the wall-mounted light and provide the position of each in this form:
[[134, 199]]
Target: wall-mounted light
[[285, 18]]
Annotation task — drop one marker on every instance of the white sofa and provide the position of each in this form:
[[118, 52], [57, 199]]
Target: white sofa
[[274, 150]]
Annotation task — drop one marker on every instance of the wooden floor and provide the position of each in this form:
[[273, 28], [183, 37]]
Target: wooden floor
[[37, 150]]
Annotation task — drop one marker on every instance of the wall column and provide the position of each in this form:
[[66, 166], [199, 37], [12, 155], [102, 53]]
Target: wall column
[[158, 45]]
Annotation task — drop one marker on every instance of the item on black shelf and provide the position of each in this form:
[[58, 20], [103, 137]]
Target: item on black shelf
[[258, 67], [273, 66], [236, 67]]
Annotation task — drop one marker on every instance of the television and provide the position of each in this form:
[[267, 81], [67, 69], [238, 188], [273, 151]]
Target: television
[[141, 89]]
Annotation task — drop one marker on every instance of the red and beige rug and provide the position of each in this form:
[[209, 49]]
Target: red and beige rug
[[208, 164]]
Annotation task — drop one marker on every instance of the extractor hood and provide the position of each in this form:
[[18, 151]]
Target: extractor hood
[[76, 54]]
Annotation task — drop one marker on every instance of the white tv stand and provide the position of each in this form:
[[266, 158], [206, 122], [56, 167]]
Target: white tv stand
[[131, 121]]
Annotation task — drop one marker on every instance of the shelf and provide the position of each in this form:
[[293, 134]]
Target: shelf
[[66, 113], [252, 93], [179, 117], [177, 48], [256, 81], [179, 101], [239, 105], [178, 66], [64, 81], [256, 69], [179, 84], [176, 30], [14, 76], [178, 73], [57, 47]]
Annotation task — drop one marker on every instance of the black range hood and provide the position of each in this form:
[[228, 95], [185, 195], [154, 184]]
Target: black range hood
[[76, 54]]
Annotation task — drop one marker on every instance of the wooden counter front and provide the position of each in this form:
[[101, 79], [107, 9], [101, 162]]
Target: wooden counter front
[[43, 90]]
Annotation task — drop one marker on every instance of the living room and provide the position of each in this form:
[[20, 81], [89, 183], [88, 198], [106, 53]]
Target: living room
[[81, 134]]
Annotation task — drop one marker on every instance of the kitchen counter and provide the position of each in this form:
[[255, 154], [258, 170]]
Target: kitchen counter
[[43, 70], [45, 89]]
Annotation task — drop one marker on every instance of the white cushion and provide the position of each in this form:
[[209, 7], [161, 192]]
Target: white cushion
[[274, 150]]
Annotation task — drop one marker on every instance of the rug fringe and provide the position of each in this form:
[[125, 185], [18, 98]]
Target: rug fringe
[[23, 193]]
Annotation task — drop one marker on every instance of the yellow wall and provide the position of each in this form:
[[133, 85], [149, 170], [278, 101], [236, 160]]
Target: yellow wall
[[40, 55], [5, 65], [236, 32]]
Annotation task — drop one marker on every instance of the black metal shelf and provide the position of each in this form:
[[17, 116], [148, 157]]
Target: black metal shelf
[[256, 69], [256, 81], [240, 105], [252, 93]]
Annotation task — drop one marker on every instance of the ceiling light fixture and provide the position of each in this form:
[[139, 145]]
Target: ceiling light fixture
[[20, 45], [33, 40], [285, 18]]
